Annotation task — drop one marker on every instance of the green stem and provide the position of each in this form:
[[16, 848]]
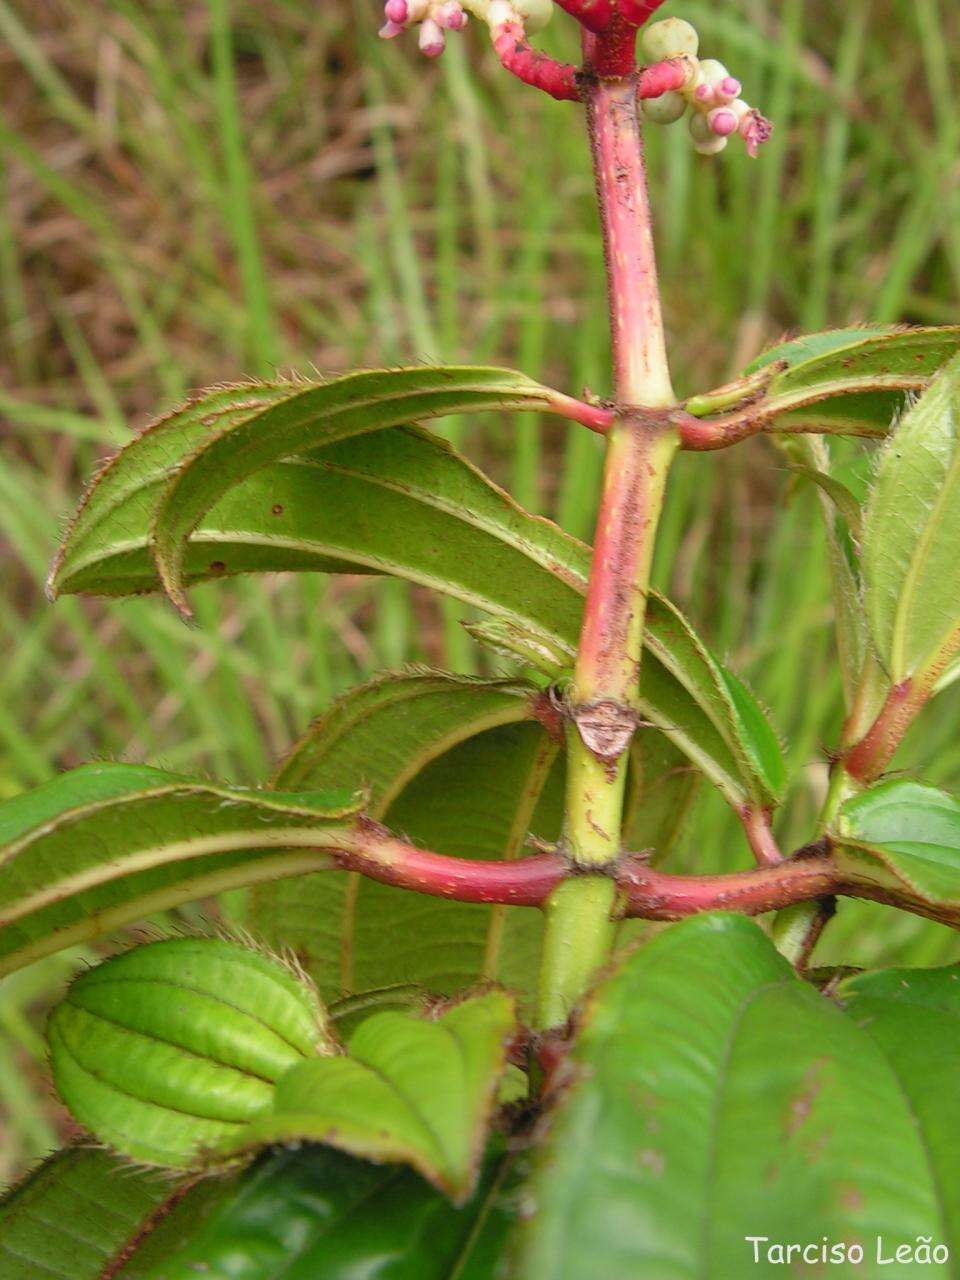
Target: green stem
[[602, 705]]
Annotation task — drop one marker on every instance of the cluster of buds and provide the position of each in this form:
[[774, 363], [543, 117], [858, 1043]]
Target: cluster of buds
[[436, 17], [710, 93]]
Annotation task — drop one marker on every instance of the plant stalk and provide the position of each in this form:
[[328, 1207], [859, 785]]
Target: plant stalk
[[602, 703]]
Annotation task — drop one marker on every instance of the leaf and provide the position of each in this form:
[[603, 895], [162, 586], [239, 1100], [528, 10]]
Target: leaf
[[751, 766], [911, 567], [312, 1213], [85, 1215], [107, 844], [312, 416], [397, 501], [401, 502], [714, 1097], [410, 1090], [414, 740], [847, 381], [908, 834], [913, 1015], [79, 1210]]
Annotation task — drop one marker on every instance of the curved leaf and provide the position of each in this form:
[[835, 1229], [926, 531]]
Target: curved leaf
[[399, 501], [715, 1097], [104, 845], [411, 1090], [811, 346], [914, 1016], [908, 833], [911, 567], [415, 739], [312, 416], [311, 1213]]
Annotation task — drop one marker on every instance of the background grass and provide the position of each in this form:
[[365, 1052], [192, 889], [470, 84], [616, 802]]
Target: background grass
[[194, 190]]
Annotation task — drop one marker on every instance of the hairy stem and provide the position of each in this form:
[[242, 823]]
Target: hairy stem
[[602, 703]]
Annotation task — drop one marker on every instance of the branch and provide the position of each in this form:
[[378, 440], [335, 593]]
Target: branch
[[558, 79], [756, 825], [868, 758]]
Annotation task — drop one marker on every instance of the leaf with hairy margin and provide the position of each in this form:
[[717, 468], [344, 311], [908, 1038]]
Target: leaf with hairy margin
[[410, 1090], [908, 834], [713, 1096], [108, 844]]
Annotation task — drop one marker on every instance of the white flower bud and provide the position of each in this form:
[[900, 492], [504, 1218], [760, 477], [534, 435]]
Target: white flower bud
[[669, 39], [706, 142], [712, 71], [535, 13]]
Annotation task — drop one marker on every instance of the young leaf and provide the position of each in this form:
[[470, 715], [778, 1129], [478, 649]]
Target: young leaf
[[914, 1017], [908, 833], [413, 739], [912, 530], [104, 845], [410, 1090], [714, 1097]]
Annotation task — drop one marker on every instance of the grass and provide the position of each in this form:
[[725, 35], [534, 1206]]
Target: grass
[[199, 191]]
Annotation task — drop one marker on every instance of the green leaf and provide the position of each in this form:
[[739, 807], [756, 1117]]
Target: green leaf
[[399, 501], [907, 834], [310, 417], [847, 381], [713, 1097], [76, 1213], [410, 1090], [295, 1215], [911, 567], [104, 845], [314, 1214], [749, 766], [414, 739]]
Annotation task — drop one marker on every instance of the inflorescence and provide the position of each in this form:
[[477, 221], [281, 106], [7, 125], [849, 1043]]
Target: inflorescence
[[705, 90]]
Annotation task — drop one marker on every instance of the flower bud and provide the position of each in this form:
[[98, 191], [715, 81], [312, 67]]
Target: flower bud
[[713, 72], [706, 142], [723, 122], [167, 1051], [666, 109], [396, 11], [669, 39], [432, 40]]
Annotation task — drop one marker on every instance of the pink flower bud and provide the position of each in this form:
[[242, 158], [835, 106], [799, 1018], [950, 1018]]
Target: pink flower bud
[[729, 88], [703, 93], [432, 40], [451, 15], [397, 11], [723, 122], [389, 30]]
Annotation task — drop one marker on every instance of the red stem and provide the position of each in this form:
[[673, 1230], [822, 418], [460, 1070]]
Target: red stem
[[865, 761], [594, 417], [558, 79], [662, 77], [808, 875], [756, 824], [595, 15]]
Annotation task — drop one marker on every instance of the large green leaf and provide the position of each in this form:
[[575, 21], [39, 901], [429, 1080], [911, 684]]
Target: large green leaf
[[846, 381], [399, 501], [911, 565], [314, 1213], [107, 844], [914, 1016], [413, 1090], [77, 1213], [905, 834], [460, 766], [715, 1097], [296, 1215]]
